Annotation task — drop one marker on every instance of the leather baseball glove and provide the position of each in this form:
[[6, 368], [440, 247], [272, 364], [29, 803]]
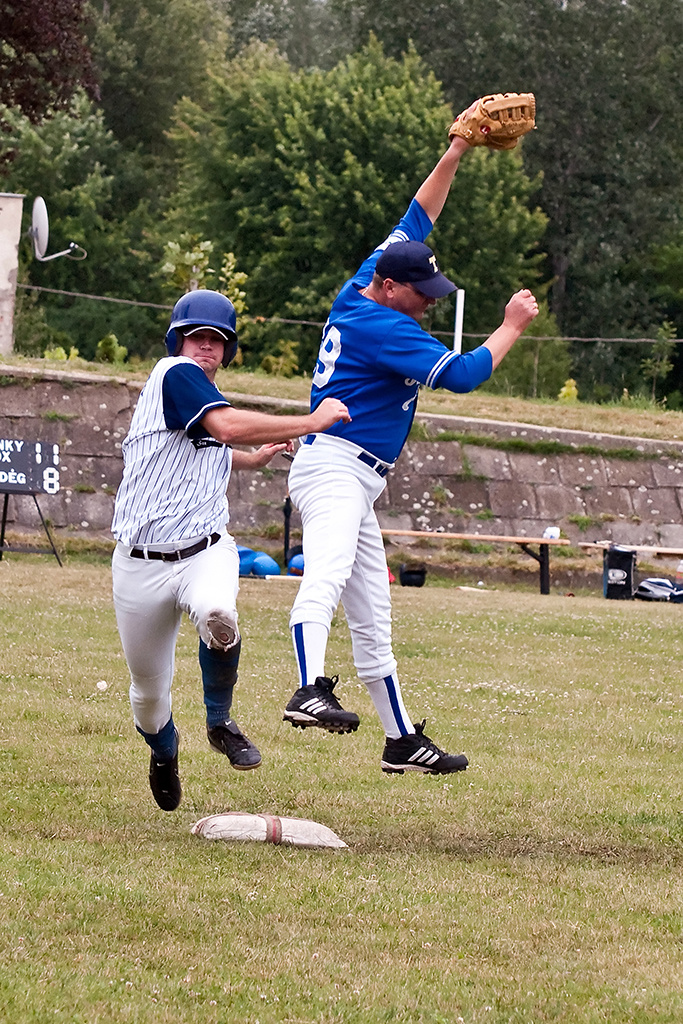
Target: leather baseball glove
[[496, 121]]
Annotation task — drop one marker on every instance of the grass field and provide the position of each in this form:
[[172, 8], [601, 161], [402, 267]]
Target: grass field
[[544, 884]]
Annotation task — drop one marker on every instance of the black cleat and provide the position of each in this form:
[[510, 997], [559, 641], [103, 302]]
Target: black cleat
[[317, 705], [164, 781], [228, 739], [417, 753]]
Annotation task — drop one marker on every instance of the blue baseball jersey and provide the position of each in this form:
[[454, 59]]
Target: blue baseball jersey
[[374, 358], [175, 474]]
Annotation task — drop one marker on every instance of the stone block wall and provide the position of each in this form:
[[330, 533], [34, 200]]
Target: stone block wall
[[478, 487]]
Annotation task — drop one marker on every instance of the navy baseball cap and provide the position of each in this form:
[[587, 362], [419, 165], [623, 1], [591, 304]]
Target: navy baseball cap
[[414, 263]]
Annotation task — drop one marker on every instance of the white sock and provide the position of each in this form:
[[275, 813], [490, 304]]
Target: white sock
[[386, 696], [310, 644]]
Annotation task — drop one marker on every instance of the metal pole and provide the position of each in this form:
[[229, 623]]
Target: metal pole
[[543, 559], [47, 531], [4, 523], [287, 511], [459, 311], [544, 567]]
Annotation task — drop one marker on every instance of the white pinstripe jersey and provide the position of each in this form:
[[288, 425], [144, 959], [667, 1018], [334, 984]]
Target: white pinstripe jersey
[[175, 475]]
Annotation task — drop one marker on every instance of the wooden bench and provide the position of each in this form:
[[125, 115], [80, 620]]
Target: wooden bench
[[542, 556], [603, 545]]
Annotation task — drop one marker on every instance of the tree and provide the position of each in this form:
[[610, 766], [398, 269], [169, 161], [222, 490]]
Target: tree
[[658, 365], [308, 33], [607, 78], [44, 56], [186, 265], [150, 53], [303, 173], [77, 165], [537, 365]]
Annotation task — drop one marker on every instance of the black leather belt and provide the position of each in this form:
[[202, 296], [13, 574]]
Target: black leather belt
[[176, 556], [373, 463], [379, 467]]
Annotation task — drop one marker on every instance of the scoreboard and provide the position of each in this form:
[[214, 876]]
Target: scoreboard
[[28, 467]]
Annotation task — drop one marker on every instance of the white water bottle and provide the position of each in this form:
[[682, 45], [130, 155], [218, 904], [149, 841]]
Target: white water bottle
[[679, 574]]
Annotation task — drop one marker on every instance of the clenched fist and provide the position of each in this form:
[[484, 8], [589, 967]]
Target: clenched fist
[[329, 412], [521, 310]]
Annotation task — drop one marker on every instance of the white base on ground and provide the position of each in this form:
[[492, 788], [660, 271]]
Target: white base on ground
[[267, 828]]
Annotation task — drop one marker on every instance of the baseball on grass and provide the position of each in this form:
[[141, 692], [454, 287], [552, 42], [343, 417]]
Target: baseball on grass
[[102, 685]]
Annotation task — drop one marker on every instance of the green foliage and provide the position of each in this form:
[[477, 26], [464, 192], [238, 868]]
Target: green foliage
[[487, 238], [440, 496], [664, 269], [583, 523], [74, 162], [420, 432], [44, 58], [109, 351], [323, 164], [231, 282], [568, 392], [186, 265], [285, 363], [606, 76], [537, 365], [32, 334], [52, 416], [307, 32], [57, 354], [142, 330], [149, 53], [659, 364], [299, 161]]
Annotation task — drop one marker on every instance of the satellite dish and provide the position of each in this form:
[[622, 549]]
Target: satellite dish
[[40, 227], [40, 233]]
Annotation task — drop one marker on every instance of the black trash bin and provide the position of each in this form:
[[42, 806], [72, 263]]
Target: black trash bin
[[618, 569], [412, 575]]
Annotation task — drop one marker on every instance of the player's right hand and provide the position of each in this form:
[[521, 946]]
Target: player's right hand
[[330, 411], [521, 310]]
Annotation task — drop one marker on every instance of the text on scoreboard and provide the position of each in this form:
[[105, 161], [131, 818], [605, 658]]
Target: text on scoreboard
[[28, 467]]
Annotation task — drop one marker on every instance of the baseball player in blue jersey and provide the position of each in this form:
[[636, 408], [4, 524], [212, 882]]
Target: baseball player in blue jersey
[[173, 551], [374, 357]]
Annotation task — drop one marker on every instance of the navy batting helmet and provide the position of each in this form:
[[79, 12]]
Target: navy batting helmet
[[203, 308]]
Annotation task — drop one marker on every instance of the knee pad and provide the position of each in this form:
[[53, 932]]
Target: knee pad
[[222, 633]]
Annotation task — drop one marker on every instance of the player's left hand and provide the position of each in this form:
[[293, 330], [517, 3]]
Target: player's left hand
[[262, 456], [496, 121], [521, 310], [266, 452]]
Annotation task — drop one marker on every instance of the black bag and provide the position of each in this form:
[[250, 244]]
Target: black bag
[[659, 589], [412, 575], [618, 567]]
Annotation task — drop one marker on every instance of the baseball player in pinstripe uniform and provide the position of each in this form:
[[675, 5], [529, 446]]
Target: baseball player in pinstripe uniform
[[374, 357], [173, 551]]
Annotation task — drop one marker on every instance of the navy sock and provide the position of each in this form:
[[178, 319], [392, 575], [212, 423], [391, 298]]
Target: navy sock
[[164, 743], [219, 675]]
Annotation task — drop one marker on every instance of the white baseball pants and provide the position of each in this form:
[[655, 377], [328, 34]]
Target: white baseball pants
[[344, 559], [150, 598]]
